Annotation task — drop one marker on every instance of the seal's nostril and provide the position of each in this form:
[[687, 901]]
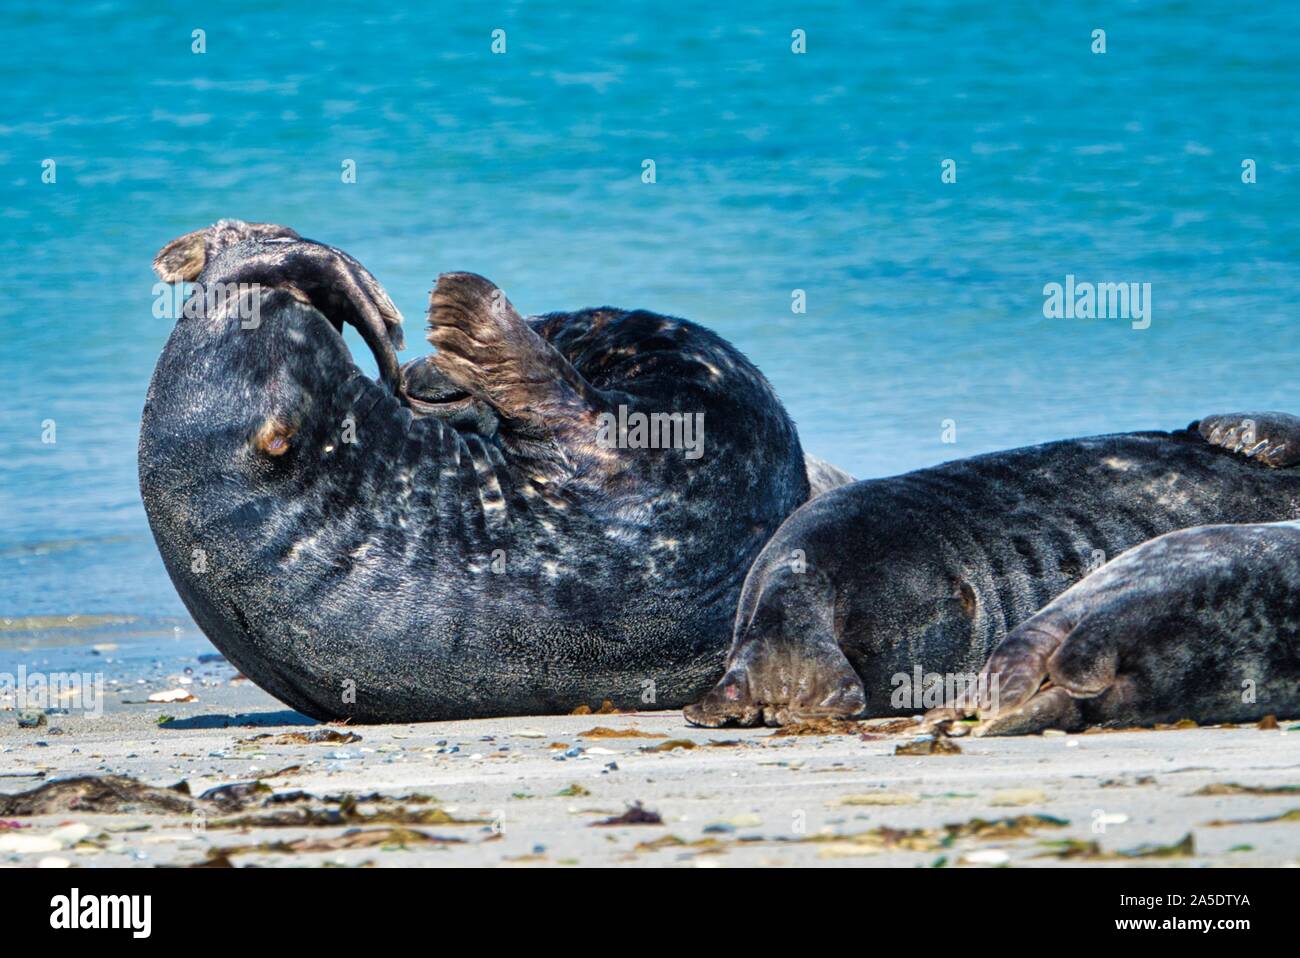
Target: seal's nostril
[[969, 601]]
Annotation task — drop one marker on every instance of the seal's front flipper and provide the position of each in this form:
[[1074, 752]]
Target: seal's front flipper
[[1049, 708], [1272, 438], [1015, 694], [267, 255], [822, 476], [1066, 652], [485, 347], [183, 259]]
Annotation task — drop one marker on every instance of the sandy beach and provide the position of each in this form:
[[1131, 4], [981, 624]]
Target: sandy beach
[[234, 778]]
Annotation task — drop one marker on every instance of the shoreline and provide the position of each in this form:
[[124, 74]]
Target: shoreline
[[531, 790]]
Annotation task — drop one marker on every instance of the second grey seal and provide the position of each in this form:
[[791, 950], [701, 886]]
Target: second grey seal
[[927, 572]]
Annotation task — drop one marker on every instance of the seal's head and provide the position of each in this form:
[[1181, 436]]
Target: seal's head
[[788, 662], [242, 408]]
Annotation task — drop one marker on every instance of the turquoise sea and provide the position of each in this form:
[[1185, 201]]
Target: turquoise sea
[[775, 172]]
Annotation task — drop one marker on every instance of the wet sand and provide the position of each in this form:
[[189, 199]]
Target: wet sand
[[532, 790]]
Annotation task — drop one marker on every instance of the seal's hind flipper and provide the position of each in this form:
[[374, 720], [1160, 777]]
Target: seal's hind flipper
[[488, 349], [823, 476], [183, 259], [1272, 438]]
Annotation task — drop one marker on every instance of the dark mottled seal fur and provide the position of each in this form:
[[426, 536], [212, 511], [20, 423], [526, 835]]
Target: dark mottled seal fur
[[1202, 623], [468, 547], [933, 568]]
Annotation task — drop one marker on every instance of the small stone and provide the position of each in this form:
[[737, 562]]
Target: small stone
[[1018, 796], [28, 844], [173, 695], [986, 856], [67, 835], [928, 745], [876, 798]]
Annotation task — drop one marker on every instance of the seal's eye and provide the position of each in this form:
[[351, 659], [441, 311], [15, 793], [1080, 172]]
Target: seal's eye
[[273, 438], [450, 401]]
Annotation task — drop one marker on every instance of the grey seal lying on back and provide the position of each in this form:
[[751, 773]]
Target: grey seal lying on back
[[456, 539], [929, 571]]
